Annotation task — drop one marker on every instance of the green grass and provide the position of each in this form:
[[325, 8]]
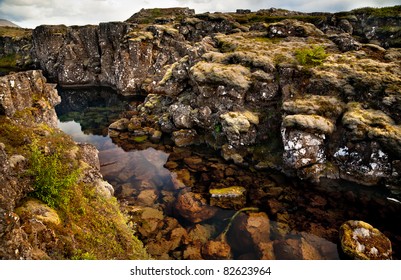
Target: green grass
[[311, 57], [15, 32], [9, 61], [51, 176], [394, 11]]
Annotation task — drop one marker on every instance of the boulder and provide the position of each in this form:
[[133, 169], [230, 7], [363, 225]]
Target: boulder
[[248, 231], [302, 148], [360, 240], [193, 207], [185, 137], [290, 27], [33, 208]]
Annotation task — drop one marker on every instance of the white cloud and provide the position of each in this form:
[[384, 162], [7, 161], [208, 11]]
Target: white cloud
[[30, 13]]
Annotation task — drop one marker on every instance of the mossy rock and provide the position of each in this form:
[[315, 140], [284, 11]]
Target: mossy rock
[[33, 208], [373, 124], [236, 76], [327, 106], [309, 122], [361, 241], [228, 198]]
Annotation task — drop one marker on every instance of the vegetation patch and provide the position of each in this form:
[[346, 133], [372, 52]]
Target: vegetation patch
[[14, 32], [51, 176], [9, 61], [311, 57]]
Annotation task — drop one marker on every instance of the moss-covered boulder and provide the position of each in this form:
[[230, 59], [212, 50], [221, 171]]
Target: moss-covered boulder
[[360, 240], [230, 198], [374, 125], [235, 76]]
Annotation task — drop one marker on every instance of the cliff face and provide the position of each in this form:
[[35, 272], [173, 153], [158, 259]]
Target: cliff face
[[315, 96], [313, 102], [113, 54], [49, 183], [15, 47]]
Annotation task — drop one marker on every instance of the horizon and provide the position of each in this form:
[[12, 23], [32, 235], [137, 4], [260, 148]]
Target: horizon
[[29, 14]]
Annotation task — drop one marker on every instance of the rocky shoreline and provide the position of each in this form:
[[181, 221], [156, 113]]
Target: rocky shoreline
[[312, 96]]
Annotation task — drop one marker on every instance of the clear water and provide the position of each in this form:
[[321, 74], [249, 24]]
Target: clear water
[[300, 210]]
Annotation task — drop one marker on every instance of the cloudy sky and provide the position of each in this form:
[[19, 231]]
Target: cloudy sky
[[30, 13]]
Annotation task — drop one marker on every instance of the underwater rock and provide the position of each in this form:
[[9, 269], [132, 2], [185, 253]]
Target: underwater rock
[[229, 198], [249, 230], [216, 250], [296, 249], [360, 240], [147, 198], [194, 208]]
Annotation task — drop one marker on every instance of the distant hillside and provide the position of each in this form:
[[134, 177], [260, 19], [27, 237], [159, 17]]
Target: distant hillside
[[4, 22]]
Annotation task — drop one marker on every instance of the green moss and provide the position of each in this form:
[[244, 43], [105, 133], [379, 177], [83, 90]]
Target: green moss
[[267, 40], [311, 57], [98, 227], [229, 192], [9, 61], [140, 139], [216, 73], [52, 177], [394, 11], [15, 32], [252, 18]]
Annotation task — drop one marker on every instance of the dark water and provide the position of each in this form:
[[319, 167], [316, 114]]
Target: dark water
[[297, 210]]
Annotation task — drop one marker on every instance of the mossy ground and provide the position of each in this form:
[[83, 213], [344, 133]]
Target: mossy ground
[[15, 32], [92, 226], [9, 61]]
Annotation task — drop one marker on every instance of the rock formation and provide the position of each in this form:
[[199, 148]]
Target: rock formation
[[39, 161], [314, 96]]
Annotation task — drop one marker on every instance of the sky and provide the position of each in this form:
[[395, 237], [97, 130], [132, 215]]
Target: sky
[[31, 13]]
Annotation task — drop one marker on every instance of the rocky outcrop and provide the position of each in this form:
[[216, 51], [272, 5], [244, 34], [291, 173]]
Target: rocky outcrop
[[15, 49], [116, 54], [231, 98], [44, 176], [25, 90]]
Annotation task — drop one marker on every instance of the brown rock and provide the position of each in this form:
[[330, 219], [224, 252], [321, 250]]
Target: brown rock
[[248, 231], [193, 207], [185, 137], [193, 252], [296, 249], [216, 250], [200, 233], [266, 251], [147, 198]]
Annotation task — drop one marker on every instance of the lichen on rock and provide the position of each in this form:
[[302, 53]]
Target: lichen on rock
[[360, 240]]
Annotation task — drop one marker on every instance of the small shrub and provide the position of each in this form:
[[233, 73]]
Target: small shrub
[[52, 177], [311, 57]]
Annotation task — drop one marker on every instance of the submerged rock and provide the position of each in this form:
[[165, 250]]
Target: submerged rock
[[360, 240], [249, 231], [193, 207], [229, 198], [216, 250]]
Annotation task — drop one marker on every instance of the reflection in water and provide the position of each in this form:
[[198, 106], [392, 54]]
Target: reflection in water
[[298, 213]]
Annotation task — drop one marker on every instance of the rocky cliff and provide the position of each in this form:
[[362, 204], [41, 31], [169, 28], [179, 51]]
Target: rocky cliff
[[54, 203], [129, 55], [315, 103], [314, 96]]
